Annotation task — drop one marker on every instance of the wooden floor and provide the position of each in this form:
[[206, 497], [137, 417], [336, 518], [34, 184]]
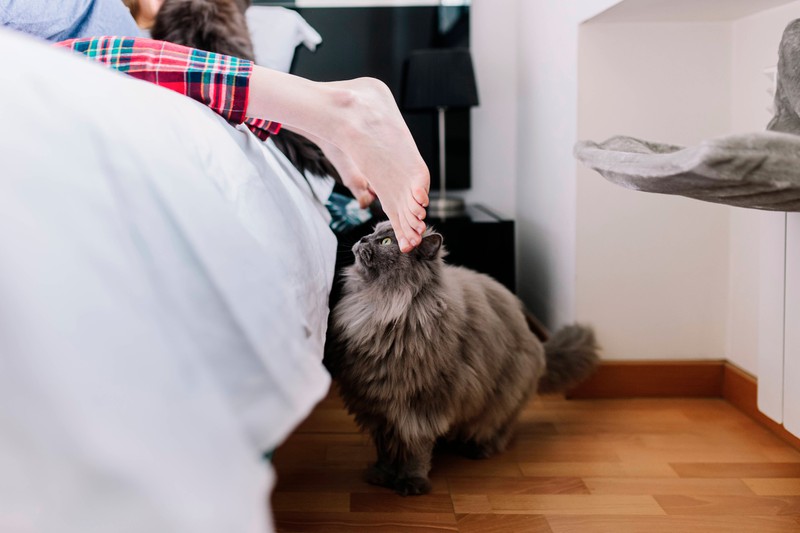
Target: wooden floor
[[576, 466]]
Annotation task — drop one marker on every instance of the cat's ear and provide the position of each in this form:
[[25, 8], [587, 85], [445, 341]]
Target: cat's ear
[[430, 245]]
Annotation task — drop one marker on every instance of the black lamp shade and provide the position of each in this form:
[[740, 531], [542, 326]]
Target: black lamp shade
[[440, 77]]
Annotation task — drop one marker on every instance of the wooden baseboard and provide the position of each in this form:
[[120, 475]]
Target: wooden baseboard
[[653, 379], [680, 379], [740, 389]]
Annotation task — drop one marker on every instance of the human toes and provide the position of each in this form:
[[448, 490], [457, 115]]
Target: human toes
[[407, 238], [420, 195], [416, 210], [416, 225]]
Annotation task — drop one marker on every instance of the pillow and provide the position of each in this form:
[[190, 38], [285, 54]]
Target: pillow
[[757, 170], [276, 33]]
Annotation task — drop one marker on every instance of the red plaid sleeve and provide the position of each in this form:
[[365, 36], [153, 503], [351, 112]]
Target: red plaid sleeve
[[262, 128], [221, 82]]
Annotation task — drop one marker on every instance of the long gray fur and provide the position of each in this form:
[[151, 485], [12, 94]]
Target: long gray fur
[[424, 351]]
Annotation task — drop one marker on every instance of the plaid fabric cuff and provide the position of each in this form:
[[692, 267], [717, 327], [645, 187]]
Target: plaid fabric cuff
[[262, 128], [221, 82]]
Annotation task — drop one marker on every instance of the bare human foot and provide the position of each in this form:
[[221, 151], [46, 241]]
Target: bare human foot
[[381, 146], [351, 175], [358, 125]]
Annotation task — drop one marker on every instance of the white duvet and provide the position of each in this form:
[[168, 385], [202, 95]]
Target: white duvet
[[163, 298]]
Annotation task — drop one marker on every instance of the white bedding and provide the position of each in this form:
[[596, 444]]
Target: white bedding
[[163, 299]]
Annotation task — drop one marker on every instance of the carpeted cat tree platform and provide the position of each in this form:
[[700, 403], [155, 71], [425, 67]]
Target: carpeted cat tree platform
[[758, 170]]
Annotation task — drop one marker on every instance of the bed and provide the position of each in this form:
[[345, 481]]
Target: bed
[[163, 301]]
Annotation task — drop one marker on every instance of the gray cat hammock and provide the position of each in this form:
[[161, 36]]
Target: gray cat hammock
[[759, 170]]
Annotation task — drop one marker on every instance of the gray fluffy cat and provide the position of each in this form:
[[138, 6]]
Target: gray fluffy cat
[[424, 351]]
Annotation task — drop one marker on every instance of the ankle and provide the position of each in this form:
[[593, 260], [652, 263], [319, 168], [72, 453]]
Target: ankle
[[344, 108], [359, 106]]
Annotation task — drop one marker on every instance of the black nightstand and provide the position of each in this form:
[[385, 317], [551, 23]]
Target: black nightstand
[[482, 241]]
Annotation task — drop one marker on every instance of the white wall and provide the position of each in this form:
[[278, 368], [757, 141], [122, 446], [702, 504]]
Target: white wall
[[497, 27], [547, 118], [493, 41], [755, 41], [652, 270], [592, 250]]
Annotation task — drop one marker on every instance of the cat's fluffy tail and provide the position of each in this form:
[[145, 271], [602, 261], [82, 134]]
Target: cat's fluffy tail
[[571, 355]]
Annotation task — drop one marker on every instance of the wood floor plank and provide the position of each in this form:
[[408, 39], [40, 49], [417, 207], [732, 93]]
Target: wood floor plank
[[774, 487], [328, 421], [606, 442], [451, 466], [517, 485], [701, 439], [564, 448], [389, 502], [663, 486], [613, 469], [336, 479], [689, 448], [300, 452], [502, 523], [310, 479], [740, 470], [538, 453], [327, 438], [471, 503], [353, 453], [730, 505], [311, 501], [652, 466], [300, 522], [533, 427], [671, 524], [781, 453], [620, 428], [546, 504]]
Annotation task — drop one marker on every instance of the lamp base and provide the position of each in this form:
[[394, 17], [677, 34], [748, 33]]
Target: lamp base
[[444, 207]]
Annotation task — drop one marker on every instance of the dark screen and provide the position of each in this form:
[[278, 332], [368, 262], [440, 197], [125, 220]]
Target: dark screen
[[375, 42]]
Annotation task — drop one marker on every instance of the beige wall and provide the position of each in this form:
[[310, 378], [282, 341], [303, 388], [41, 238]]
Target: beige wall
[[755, 41], [661, 277], [493, 41], [547, 59], [652, 270]]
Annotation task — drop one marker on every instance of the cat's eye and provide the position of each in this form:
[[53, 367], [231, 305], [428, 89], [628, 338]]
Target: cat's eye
[[386, 240]]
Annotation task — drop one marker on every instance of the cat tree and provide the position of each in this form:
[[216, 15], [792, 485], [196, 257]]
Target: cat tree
[[759, 170]]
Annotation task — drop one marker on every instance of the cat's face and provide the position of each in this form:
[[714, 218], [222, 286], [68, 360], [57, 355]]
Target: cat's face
[[378, 254]]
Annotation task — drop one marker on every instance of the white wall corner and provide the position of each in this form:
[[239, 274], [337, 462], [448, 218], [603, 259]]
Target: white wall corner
[[652, 270], [547, 63], [494, 122]]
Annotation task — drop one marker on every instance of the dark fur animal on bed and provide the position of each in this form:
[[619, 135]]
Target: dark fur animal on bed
[[424, 352], [220, 26]]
